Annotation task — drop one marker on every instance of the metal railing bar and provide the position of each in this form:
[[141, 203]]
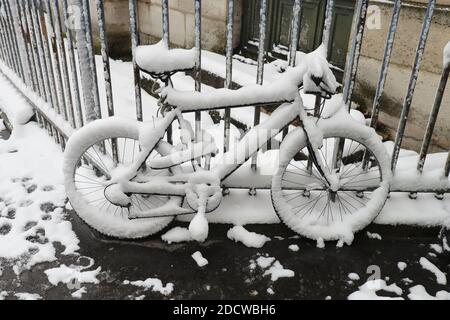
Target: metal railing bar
[[86, 73], [260, 66], [90, 47], [385, 64], [136, 71], [166, 41], [412, 83], [229, 71], [54, 57], [48, 62], [8, 39], [432, 119], [14, 33], [106, 70], [20, 30], [295, 32], [33, 43], [198, 63], [28, 45], [351, 67], [40, 51], [62, 72], [74, 89]]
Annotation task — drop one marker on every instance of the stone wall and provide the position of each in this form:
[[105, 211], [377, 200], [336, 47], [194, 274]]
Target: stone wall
[[406, 41], [182, 23]]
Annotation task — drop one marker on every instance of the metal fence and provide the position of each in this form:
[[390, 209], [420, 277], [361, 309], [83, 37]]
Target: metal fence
[[46, 51]]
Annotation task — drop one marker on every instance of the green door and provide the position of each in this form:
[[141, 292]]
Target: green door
[[312, 19]]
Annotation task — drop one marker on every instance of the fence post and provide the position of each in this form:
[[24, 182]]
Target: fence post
[[9, 35], [198, 66], [16, 23], [229, 72], [40, 51], [51, 40], [106, 71], [87, 79], [90, 46], [260, 69], [134, 44], [74, 90], [31, 48], [433, 117], [412, 83], [21, 22], [48, 60], [295, 30], [385, 64]]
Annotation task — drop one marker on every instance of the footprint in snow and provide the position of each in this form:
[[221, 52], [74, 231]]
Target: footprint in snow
[[48, 207], [5, 229], [29, 225], [31, 188]]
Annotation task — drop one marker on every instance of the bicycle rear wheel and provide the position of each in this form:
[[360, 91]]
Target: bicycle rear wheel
[[304, 202]]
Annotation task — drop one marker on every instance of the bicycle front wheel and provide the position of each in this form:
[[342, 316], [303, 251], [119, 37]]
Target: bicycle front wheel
[[85, 183], [302, 197]]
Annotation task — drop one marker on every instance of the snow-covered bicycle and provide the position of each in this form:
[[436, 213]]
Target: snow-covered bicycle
[[332, 177]]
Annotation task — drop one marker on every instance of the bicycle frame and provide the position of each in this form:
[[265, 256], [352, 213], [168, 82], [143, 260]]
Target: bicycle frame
[[251, 143]]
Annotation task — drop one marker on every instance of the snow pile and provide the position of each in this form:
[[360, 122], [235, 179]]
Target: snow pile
[[272, 268], [368, 291], [427, 265], [249, 239], [13, 104], [27, 296], [199, 259], [294, 247], [158, 58], [177, 234], [32, 199], [418, 292], [72, 274], [353, 276], [154, 284], [79, 293], [371, 235], [401, 265]]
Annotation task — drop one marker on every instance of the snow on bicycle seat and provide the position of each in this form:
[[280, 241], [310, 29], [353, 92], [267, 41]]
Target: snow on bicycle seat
[[158, 59]]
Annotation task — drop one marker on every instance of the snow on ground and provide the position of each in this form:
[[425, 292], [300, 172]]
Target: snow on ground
[[177, 234], [199, 259], [271, 267], [401, 265], [72, 274], [369, 291], [371, 235], [428, 265], [152, 284], [419, 292], [31, 199], [249, 239], [27, 296]]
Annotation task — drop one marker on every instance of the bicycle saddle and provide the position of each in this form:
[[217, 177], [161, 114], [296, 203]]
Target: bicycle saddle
[[157, 59]]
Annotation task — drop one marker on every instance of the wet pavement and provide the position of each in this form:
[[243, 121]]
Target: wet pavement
[[319, 273]]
